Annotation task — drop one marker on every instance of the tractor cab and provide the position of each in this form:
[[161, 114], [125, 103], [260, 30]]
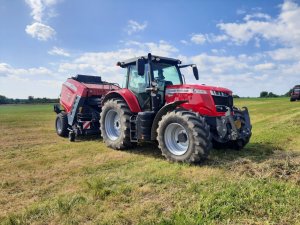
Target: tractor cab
[[148, 76]]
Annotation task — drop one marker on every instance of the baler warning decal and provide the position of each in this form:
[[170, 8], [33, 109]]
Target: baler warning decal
[[72, 86], [86, 125]]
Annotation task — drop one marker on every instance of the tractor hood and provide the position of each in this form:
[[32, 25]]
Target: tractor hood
[[182, 87], [204, 99]]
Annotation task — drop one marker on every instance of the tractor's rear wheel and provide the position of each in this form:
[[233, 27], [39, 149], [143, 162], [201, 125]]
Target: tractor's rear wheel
[[115, 124], [184, 136], [61, 124]]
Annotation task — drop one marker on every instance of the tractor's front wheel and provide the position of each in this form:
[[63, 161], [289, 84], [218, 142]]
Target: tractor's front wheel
[[115, 124], [184, 136]]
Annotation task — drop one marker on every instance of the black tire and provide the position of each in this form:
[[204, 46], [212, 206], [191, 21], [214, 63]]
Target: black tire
[[292, 99], [197, 136], [61, 124], [122, 140]]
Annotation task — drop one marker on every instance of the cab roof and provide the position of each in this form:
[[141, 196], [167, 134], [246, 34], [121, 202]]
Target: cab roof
[[154, 58]]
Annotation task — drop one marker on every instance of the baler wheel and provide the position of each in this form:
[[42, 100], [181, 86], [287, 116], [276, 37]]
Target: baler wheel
[[61, 124], [115, 124], [184, 136]]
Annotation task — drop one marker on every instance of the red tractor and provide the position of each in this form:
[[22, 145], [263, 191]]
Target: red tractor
[[156, 105]]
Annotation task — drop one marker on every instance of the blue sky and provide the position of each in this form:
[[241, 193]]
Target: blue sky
[[246, 46]]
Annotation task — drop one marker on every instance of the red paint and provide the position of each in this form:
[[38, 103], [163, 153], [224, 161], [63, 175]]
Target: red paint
[[201, 103], [71, 88], [130, 99]]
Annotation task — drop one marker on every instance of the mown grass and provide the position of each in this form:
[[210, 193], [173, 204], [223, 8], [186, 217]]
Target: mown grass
[[48, 180]]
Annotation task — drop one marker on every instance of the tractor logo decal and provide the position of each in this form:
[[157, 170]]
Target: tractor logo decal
[[185, 90]]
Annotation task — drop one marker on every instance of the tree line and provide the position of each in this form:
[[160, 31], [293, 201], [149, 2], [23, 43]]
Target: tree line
[[29, 100], [33, 100], [265, 94]]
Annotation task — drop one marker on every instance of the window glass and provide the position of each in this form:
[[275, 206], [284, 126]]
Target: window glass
[[167, 73], [137, 83], [296, 90]]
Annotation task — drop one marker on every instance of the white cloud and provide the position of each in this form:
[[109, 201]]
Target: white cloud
[[39, 10], [40, 31], [283, 29], [134, 26], [161, 48], [264, 66], [104, 63], [58, 51], [202, 38], [216, 38], [198, 39], [257, 16], [285, 54]]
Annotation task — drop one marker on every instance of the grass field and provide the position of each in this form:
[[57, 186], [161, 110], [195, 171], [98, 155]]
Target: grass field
[[46, 179]]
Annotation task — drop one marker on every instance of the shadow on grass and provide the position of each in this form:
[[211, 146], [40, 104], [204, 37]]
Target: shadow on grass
[[255, 152], [148, 149]]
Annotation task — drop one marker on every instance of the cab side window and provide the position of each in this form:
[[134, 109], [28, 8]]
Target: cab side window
[[137, 83]]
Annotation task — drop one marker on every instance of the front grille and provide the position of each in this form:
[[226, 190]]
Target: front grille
[[222, 102]]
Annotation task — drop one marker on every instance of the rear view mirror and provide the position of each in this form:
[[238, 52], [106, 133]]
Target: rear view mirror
[[140, 66], [195, 71]]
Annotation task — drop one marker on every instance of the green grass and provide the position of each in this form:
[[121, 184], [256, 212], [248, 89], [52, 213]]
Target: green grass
[[46, 179]]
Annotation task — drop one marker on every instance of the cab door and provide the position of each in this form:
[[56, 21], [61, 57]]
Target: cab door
[[138, 84]]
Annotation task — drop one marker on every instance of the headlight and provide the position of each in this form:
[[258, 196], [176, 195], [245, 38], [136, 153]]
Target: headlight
[[219, 93]]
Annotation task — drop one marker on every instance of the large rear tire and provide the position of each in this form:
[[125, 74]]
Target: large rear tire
[[115, 124], [184, 136], [61, 124]]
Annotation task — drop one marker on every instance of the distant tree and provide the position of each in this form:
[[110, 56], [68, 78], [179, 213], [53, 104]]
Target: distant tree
[[235, 96], [30, 98], [272, 95], [3, 99], [263, 94]]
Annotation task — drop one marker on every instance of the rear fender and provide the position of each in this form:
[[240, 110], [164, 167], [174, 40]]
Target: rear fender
[[167, 108], [128, 97], [56, 108]]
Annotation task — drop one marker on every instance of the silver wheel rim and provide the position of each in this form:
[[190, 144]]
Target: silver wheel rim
[[112, 125], [58, 125], [171, 137]]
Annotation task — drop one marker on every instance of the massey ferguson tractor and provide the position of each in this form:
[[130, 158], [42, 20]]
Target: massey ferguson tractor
[[156, 105]]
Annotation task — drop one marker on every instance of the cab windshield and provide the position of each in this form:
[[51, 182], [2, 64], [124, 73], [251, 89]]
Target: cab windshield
[[297, 90], [167, 73]]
